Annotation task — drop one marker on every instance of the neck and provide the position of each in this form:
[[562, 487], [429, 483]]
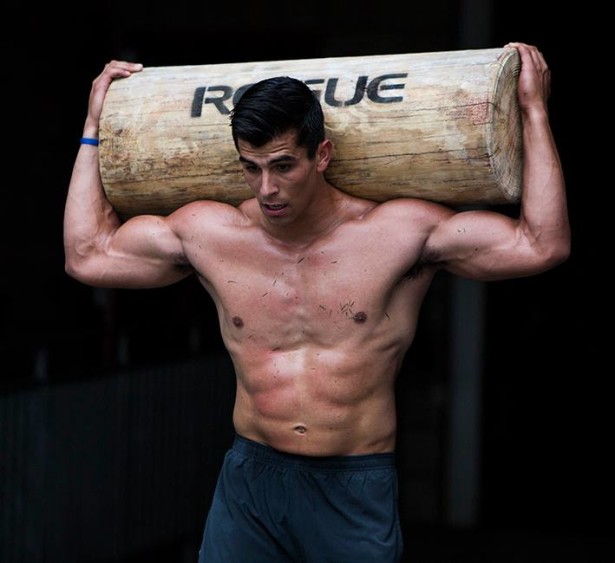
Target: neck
[[323, 214]]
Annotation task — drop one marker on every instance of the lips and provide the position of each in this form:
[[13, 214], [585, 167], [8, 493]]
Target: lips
[[273, 208]]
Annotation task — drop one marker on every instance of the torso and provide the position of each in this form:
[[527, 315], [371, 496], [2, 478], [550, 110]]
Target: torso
[[316, 332]]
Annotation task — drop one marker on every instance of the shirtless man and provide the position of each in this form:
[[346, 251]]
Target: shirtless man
[[318, 295]]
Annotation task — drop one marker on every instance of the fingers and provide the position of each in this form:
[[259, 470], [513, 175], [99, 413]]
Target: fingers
[[535, 77], [113, 70], [533, 54], [530, 53], [119, 69]]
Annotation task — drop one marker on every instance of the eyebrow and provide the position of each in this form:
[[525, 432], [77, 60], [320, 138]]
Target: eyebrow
[[277, 160]]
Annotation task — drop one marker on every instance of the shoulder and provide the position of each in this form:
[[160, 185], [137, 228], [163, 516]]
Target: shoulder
[[411, 212], [206, 214], [408, 225], [403, 208]]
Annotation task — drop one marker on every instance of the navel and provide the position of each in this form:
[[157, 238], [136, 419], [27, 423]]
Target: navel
[[300, 429], [238, 322]]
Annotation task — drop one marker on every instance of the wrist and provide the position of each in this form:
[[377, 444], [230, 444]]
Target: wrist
[[89, 134], [93, 141], [90, 128]]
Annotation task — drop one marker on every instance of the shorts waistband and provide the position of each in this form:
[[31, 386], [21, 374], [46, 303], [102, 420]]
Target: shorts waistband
[[267, 454]]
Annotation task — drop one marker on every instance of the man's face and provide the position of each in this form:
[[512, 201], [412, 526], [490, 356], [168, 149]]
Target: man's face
[[281, 176]]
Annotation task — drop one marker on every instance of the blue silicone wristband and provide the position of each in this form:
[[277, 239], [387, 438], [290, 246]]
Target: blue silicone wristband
[[89, 141]]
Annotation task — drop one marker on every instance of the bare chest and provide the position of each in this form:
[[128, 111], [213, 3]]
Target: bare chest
[[319, 294], [315, 284]]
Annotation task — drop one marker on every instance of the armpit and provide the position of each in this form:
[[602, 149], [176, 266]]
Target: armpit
[[427, 260], [181, 263]]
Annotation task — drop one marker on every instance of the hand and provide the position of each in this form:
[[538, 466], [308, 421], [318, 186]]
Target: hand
[[535, 77], [112, 71]]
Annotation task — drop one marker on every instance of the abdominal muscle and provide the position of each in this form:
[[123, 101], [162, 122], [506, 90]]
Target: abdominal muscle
[[317, 334], [316, 401]]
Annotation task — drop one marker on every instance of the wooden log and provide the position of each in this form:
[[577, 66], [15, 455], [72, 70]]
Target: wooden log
[[442, 126]]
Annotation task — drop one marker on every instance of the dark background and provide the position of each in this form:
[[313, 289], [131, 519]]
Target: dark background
[[545, 474]]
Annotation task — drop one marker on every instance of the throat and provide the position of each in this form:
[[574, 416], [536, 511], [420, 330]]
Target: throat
[[314, 224]]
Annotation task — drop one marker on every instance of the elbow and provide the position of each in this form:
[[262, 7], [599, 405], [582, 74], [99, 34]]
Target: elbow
[[71, 269], [562, 248], [74, 269], [80, 260], [556, 253], [549, 247], [79, 268], [563, 253]]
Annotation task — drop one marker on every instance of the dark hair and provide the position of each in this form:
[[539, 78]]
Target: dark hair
[[274, 106]]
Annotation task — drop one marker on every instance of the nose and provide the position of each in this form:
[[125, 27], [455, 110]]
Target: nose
[[268, 185]]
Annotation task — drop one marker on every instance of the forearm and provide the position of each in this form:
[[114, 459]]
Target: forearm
[[89, 218], [544, 211]]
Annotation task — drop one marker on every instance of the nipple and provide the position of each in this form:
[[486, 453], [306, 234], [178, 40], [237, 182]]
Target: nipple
[[238, 322], [359, 317]]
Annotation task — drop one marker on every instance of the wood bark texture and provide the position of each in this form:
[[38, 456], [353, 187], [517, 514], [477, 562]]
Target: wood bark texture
[[442, 126]]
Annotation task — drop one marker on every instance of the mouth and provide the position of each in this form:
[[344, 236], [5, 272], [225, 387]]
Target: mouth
[[273, 209]]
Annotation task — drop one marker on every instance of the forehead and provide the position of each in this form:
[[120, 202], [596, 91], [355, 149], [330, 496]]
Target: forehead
[[282, 145]]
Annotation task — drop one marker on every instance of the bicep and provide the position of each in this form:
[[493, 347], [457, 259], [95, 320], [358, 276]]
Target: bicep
[[482, 245], [143, 252]]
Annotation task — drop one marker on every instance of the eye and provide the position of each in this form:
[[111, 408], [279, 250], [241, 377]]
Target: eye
[[283, 167], [250, 168]]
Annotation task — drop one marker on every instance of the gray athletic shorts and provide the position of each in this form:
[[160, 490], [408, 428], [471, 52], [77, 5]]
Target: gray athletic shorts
[[273, 507]]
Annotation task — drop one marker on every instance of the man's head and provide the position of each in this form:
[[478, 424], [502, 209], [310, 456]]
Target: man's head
[[275, 106]]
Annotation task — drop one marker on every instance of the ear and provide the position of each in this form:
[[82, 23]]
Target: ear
[[324, 154]]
